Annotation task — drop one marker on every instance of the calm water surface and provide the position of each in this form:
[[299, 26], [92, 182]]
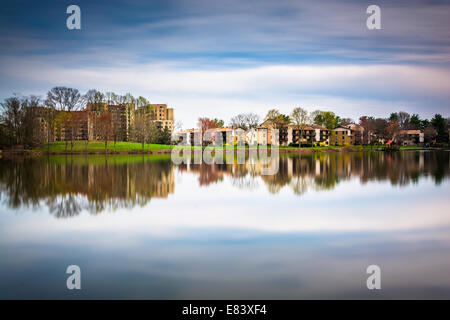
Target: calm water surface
[[141, 227]]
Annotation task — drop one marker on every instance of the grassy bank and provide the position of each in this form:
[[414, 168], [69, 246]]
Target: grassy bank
[[99, 146]]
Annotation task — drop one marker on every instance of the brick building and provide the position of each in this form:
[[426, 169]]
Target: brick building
[[86, 124]]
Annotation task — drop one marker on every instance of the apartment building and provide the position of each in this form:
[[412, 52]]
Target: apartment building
[[282, 139], [73, 125], [358, 133], [123, 120], [84, 124], [159, 114], [122, 117], [409, 137], [342, 136], [311, 134], [189, 137]]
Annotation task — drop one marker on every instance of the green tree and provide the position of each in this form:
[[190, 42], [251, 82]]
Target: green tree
[[439, 123], [393, 116], [164, 136], [276, 118], [326, 119], [141, 101], [415, 122], [219, 123]]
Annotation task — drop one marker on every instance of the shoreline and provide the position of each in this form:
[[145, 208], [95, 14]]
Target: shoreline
[[282, 150]]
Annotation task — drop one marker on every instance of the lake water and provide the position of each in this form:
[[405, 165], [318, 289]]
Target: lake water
[[141, 227]]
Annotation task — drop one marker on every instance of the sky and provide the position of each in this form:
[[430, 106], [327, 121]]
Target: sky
[[220, 58]]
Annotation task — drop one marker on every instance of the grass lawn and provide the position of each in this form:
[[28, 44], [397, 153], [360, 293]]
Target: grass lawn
[[99, 146], [95, 146]]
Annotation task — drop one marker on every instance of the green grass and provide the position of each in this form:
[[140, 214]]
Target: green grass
[[411, 147], [98, 146], [121, 146]]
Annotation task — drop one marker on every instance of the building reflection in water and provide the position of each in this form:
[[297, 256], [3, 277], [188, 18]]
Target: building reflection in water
[[68, 185]]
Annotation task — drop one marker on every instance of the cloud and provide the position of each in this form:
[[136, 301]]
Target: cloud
[[350, 90], [218, 58]]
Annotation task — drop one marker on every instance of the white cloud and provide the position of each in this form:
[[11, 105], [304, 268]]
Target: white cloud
[[349, 90]]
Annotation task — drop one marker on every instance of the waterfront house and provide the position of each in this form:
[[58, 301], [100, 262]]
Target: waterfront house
[[311, 134], [409, 137], [342, 136]]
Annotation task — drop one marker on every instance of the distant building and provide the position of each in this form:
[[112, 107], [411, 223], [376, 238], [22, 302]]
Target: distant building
[[310, 134], [161, 116], [409, 137], [74, 125], [84, 125], [122, 117], [358, 133], [189, 137], [282, 133], [342, 136]]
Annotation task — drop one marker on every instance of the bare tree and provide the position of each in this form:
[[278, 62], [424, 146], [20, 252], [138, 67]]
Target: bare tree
[[392, 129], [205, 124], [121, 99], [429, 134], [245, 120], [251, 120], [31, 129], [110, 97], [105, 126], [74, 127], [239, 121], [94, 96], [129, 99], [178, 126], [12, 116], [403, 119], [65, 99], [301, 119]]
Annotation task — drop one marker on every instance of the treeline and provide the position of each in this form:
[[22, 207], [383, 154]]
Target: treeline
[[18, 115], [436, 128]]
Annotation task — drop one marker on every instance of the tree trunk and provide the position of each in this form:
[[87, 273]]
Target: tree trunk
[[300, 138], [106, 144]]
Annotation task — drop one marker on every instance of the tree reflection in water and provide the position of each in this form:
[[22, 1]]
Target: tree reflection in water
[[68, 185]]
